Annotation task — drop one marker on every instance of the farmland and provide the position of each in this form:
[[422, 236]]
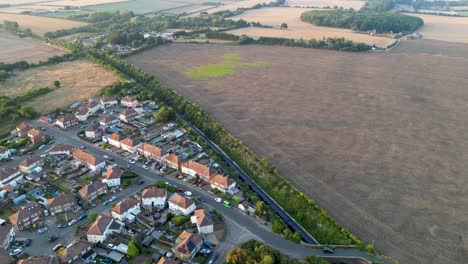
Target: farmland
[[79, 80], [377, 139], [14, 49], [40, 25], [296, 28], [452, 29], [346, 4]]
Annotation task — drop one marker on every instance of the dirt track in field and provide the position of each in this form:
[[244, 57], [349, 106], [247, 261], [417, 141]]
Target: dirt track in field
[[378, 140]]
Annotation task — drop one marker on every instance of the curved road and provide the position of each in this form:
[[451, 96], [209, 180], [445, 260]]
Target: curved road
[[232, 214]]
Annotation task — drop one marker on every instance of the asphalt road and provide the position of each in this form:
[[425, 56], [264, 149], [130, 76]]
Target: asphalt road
[[233, 215]]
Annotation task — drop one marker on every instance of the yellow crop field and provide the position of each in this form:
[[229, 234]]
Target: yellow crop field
[[40, 25], [452, 29]]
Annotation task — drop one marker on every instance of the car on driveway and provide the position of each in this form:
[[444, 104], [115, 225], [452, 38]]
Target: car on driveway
[[42, 230], [205, 251], [16, 252]]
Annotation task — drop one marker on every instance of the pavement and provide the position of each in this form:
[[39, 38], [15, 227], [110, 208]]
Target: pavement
[[240, 226]]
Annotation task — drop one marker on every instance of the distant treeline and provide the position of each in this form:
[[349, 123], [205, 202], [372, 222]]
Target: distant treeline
[[23, 65], [328, 43], [378, 5], [238, 11], [363, 21]]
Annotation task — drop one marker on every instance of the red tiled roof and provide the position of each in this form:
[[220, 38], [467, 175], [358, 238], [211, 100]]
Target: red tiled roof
[[128, 142], [67, 118], [129, 112], [91, 188], [113, 173], [153, 192], [203, 217], [75, 249], [153, 150], [187, 242], [181, 201], [61, 148], [115, 136], [7, 172], [125, 205], [60, 200], [86, 157], [200, 169], [221, 180], [100, 225], [30, 160]]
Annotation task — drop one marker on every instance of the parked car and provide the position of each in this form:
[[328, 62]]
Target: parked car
[[111, 159], [141, 182], [106, 202], [132, 161], [62, 225], [72, 222], [42, 230], [205, 251], [42, 146], [83, 147], [145, 167], [30, 153], [188, 193], [111, 246], [328, 250], [16, 252], [217, 199], [113, 198], [106, 157], [27, 242], [130, 167], [227, 204], [53, 238], [81, 217], [181, 190], [57, 247]]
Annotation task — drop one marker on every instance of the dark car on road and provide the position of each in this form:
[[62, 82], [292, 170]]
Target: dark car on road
[[141, 182], [81, 217], [328, 250]]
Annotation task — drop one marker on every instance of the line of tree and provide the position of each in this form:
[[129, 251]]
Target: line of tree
[[23, 65], [378, 5], [303, 209], [14, 108], [363, 21], [252, 252], [340, 44], [238, 11]]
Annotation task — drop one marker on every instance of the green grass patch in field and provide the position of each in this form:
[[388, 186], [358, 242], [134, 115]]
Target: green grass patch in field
[[230, 63]]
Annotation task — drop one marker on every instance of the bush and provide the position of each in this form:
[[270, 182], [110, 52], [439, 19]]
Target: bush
[[180, 220]]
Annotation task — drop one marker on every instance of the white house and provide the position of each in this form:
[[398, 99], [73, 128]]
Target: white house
[[203, 220], [129, 145], [126, 209], [10, 176], [180, 205], [82, 114], [112, 177], [67, 121], [108, 101], [4, 153], [102, 227], [154, 197], [223, 183], [109, 121], [114, 140], [127, 101], [92, 131], [93, 107]]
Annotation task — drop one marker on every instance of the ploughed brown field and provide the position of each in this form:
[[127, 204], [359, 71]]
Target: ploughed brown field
[[380, 140]]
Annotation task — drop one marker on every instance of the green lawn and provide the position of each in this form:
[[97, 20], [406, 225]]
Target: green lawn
[[230, 63]]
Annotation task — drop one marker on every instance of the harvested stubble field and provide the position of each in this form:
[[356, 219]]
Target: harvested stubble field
[[79, 80], [40, 25], [296, 28], [14, 49], [346, 4], [444, 28], [377, 139]]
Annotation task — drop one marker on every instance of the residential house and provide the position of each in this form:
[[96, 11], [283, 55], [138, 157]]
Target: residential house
[[109, 121], [243, 205], [27, 215], [128, 114], [91, 191], [202, 219], [180, 205], [102, 227], [112, 177], [194, 169], [187, 245], [77, 252], [126, 209], [93, 107], [67, 121], [82, 114], [22, 129], [61, 149], [154, 198], [92, 162], [129, 145], [38, 260], [4, 153], [114, 140], [173, 161], [44, 119], [7, 234], [223, 183], [127, 101], [92, 131], [138, 107], [165, 260], [30, 163], [61, 203], [108, 101], [150, 151], [10, 177], [36, 136]]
